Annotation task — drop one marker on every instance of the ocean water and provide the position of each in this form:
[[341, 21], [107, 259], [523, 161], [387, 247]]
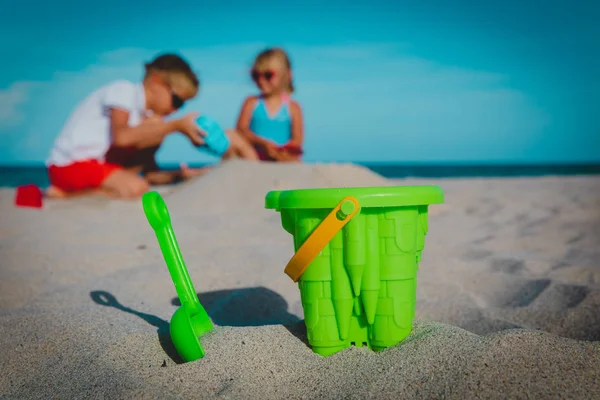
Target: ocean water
[[13, 176]]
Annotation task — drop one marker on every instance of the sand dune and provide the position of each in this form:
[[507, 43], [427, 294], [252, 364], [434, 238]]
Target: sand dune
[[508, 295]]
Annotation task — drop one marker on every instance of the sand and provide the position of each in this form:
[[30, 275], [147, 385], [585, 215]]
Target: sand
[[508, 296]]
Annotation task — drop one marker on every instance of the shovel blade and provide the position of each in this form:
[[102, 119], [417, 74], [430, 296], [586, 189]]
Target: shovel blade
[[184, 337]]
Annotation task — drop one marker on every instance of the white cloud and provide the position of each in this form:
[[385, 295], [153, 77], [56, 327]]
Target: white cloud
[[11, 99], [374, 83], [348, 51], [319, 68]]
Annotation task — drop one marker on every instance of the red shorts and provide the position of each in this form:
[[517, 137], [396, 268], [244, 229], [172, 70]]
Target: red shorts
[[80, 175]]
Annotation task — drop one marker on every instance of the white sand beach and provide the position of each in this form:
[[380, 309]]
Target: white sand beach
[[507, 304]]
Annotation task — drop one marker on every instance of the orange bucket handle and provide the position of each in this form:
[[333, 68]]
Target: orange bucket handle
[[316, 242]]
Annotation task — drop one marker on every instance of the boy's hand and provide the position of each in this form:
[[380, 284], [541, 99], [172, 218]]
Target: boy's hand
[[188, 126]]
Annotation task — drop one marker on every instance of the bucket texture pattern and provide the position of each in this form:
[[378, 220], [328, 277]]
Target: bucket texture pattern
[[361, 289]]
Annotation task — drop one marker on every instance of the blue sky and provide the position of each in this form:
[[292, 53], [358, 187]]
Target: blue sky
[[402, 81]]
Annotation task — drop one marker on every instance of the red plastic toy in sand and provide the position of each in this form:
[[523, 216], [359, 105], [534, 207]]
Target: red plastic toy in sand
[[29, 196]]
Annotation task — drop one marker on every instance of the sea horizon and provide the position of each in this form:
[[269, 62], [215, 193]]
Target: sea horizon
[[13, 175]]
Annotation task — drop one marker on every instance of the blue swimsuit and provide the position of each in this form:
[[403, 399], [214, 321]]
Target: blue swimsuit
[[276, 128]]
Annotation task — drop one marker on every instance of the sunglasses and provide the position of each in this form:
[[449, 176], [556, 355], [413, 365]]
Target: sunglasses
[[268, 75], [176, 101]]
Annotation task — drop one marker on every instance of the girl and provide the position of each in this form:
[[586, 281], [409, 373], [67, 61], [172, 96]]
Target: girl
[[272, 121]]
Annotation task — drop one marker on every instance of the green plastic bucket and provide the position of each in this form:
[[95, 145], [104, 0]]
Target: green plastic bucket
[[357, 275]]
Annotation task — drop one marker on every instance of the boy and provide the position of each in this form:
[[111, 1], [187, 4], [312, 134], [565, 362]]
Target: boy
[[113, 135]]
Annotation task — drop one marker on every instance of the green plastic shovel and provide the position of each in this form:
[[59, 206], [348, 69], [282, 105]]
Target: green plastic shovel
[[190, 321]]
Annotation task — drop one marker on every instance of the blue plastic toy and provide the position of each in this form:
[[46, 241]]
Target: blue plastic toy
[[215, 140]]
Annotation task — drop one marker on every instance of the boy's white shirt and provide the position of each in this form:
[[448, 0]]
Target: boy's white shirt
[[86, 134]]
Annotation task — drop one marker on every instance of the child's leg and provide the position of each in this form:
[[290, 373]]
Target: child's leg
[[125, 184], [77, 179], [50, 193], [93, 177], [240, 147], [54, 192]]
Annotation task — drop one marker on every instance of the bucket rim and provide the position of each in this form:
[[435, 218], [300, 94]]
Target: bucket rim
[[376, 196]]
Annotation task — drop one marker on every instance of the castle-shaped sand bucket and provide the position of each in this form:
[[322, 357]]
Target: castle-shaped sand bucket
[[357, 255]]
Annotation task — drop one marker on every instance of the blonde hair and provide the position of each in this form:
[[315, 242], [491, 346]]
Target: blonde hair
[[279, 54], [175, 71]]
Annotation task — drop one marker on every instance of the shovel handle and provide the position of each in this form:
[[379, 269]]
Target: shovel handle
[[158, 216]]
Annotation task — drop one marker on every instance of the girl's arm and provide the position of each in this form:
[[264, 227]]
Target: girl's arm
[[243, 123], [297, 124]]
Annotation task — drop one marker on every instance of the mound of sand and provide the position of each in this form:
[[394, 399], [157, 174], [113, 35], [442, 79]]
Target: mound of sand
[[507, 299]]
